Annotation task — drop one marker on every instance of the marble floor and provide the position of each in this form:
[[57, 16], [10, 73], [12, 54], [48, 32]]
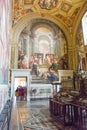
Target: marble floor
[[34, 115]]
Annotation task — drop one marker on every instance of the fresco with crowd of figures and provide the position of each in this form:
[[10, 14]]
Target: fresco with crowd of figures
[[43, 50]]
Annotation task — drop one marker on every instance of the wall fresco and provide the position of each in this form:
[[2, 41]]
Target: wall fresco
[[4, 41], [28, 1], [43, 53], [48, 4]]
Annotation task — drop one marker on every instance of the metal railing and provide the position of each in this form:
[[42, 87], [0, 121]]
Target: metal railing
[[70, 114], [5, 116]]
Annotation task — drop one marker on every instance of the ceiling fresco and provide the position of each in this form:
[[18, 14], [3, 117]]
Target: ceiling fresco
[[66, 11]]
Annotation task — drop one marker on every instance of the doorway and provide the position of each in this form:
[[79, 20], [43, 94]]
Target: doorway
[[20, 88], [21, 79]]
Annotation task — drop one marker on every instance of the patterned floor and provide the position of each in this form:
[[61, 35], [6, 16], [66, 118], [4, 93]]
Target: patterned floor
[[34, 115]]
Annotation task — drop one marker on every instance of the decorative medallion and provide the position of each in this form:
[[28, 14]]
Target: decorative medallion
[[65, 7], [28, 1], [48, 4]]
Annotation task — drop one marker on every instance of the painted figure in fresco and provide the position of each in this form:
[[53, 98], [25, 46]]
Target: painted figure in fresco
[[84, 63], [48, 4], [35, 68], [54, 65], [52, 76], [63, 62], [47, 60], [22, 61]]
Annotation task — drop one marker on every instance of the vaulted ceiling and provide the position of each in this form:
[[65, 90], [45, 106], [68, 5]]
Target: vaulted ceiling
[[66, 11]]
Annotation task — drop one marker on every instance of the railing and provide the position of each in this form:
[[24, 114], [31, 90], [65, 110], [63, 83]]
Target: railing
[[80, 117], [63, 112], [5, 116], [69, 114]]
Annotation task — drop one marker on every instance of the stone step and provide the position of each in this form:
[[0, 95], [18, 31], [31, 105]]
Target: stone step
[[40, 81]]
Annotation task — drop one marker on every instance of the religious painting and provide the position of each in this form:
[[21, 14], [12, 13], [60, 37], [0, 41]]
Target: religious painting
[[16, 4], [22, 55], [48, 4], [43, 51]]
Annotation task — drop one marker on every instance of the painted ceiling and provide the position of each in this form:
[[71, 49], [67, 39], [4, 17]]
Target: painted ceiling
[[66, 11]]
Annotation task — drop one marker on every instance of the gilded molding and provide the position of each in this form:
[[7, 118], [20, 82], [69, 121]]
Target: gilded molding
[[12, 57]]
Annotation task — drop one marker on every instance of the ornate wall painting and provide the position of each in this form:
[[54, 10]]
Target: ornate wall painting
[[16, 5], [28, 1], [22, 55], [44, 41], [43, 56], [4, 51], [65, 7], [48, 4], [4, 40]]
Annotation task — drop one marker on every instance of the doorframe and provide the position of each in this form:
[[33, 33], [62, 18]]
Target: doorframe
[[20, 73]]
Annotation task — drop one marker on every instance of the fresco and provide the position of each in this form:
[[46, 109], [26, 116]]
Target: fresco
[[28, 1], [43, 54], [4, 41], [48, 4]]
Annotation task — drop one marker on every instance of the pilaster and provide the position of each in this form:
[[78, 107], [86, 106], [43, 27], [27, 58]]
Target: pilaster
[[14, 56], [72, 54]]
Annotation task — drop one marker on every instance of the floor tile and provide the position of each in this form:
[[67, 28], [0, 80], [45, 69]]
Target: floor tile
[[34, 115]]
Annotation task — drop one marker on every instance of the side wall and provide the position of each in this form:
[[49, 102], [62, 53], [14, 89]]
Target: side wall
[[4, 51]]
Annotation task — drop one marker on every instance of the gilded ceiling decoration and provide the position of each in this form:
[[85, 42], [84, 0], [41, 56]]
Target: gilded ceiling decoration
[[48, 4], [26, 2], [66, 11]]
